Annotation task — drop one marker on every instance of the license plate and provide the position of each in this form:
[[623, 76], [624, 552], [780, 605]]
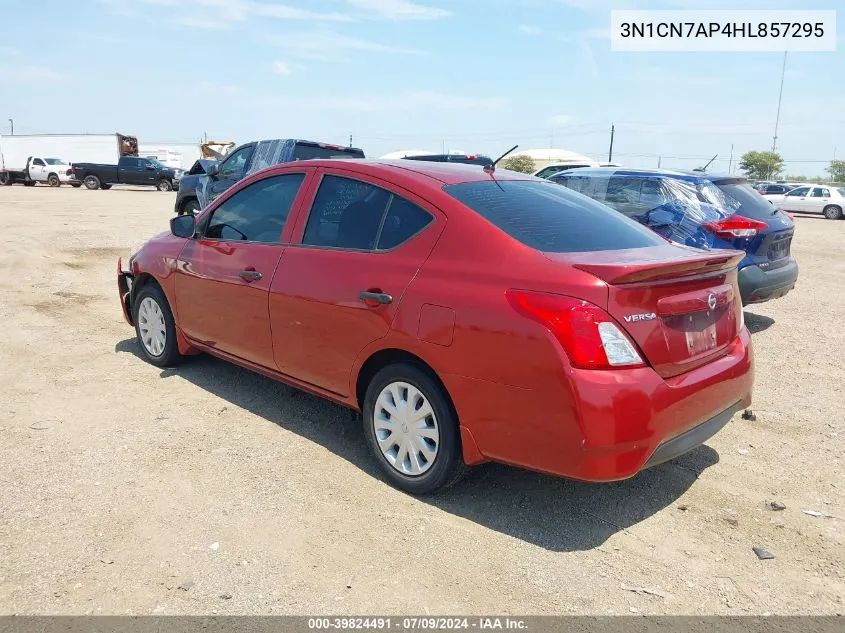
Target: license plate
[[701, 341], [779, 249]]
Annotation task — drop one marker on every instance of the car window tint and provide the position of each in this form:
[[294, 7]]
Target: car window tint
[[346, 214], [818, 192], [38, 162], [256, 213], [308, 151], [404, 220], [801, 191], [551, 218], [236, 163]]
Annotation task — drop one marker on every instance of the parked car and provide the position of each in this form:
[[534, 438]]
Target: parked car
[[772, 189], [198, 190], [469, 316], [130, 170], [824, 199], [52, 171], [555, 168], [466, 159], [704, 211]]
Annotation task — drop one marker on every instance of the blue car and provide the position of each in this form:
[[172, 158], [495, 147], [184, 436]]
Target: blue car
[[703, 211]]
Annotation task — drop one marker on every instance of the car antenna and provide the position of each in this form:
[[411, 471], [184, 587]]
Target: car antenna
[[703, 169], [491, 168]]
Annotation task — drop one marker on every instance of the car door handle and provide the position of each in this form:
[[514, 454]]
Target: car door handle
[[377, 297], [249, 275]]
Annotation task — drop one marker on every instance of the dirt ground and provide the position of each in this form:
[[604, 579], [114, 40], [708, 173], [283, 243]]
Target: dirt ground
[[125, 489]]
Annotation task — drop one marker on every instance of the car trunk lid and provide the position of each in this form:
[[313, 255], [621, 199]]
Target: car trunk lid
[[680, 305]]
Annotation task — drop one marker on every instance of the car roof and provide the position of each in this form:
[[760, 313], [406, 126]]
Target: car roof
[[643, 173], [422, 171]]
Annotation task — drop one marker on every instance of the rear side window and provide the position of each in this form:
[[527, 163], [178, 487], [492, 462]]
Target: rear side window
[[306, 151], [404, 219], [256, 213], [550, 218], [346, 214]]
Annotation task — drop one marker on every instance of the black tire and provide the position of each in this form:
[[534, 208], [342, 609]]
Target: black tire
[[5, 179], [28, 183], [105, 187], [76, 185], [53, 180], [91, 182], [832, 212], [169, 355], [164, 185], [448, 466], [191, 206]]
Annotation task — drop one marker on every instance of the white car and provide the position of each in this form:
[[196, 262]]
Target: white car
[[829, 201], [550, 170]]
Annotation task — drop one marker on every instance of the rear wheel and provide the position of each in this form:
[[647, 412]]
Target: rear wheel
[[164, 185], [155, 327], [412, 430], [5, 179], [191, 206], [91, 182], [53, 180], [28, 183], [832, 212], [76, 185], [105, 187]]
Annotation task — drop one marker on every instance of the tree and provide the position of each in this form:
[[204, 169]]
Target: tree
[[525, 164], [760, 165], [837, 170]]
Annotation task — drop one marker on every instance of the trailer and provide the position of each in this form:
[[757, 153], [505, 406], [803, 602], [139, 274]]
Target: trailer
[[28, 159]]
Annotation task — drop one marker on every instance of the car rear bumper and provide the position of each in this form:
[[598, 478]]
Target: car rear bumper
[[757, 285], [605, 425]]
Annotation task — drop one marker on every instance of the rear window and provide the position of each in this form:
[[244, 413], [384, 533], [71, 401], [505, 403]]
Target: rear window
[[307, 151], [740, 198], [551, 218]]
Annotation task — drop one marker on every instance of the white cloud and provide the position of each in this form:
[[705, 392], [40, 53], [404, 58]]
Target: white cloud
[[527, 29], [559, 119], [399, 9], [328, 45], [282, 68], [24, 74]]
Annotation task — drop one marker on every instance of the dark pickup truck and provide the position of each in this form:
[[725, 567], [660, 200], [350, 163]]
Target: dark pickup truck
[[205, 182], [130, 170]]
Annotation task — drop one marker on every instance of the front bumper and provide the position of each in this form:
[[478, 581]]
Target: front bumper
[[757, 285], [124, 291]]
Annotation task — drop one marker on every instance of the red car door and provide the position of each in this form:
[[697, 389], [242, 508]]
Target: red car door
[[338, 289], [223, 277]]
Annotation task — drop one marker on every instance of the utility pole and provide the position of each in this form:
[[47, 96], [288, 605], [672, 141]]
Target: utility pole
[[780, 96], [12, 125], [731, 161], [350, 140], [444, 147], [610, 152], [659, 158]]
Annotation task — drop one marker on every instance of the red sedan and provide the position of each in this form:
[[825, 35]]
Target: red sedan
[[468, 315]]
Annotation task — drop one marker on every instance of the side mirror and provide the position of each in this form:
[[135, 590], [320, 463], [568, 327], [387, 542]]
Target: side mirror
[[183, 225], [212, 171]]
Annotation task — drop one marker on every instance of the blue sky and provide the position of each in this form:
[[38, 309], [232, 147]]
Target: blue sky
[[475, 75]]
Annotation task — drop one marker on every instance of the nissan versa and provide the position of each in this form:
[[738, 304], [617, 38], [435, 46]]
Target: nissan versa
[[469, 315]]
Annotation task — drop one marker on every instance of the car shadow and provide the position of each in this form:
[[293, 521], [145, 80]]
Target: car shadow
[[757, 322], [556, 514]]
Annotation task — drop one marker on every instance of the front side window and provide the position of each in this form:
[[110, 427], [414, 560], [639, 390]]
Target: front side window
[[256, 213], [235, 164], [38, 162]]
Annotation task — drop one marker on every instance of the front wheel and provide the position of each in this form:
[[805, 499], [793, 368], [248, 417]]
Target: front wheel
[[155, 327], [76, 185], [412, 430], [53, 180], [191, 206], [91, 182], [832, 212], [165, 185], [28, 183]]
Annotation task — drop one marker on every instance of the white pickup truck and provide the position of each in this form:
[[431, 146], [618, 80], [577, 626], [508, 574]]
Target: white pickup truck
[[52, 171]]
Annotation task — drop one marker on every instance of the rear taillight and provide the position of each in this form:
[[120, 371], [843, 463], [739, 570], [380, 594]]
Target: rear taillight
[[735, 226], [588, 334]]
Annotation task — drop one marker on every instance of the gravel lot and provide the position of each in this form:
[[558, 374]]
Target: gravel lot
[[208, 489]]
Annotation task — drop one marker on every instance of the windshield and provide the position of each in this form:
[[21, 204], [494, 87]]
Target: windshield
[[54, 161], [741, 198]]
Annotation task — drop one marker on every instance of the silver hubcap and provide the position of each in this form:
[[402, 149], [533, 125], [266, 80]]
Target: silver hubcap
[[406, 428], [151, 326]]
